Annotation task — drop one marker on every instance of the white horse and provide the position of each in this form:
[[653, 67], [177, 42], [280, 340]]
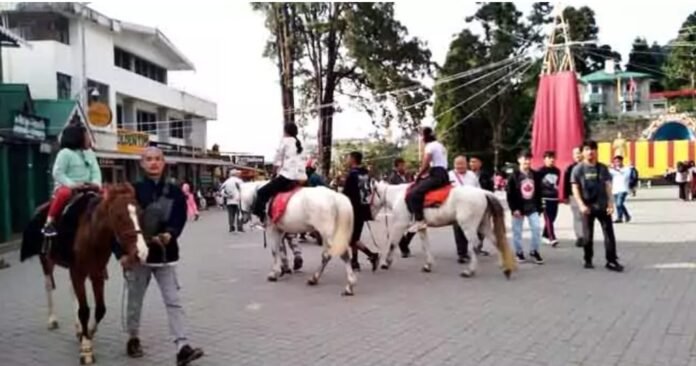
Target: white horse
[[311, 209], [473, 209]]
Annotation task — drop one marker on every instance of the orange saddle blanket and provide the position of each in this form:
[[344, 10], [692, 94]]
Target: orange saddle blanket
[[437, 197], [280, 204]]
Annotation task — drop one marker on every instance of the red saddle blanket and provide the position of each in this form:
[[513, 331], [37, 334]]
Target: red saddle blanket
[[280, 203], [436, 197]]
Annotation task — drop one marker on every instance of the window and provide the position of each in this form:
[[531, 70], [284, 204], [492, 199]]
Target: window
[[64, 86], [102, 90], [177, 128], [39, 26], [129, 61], [595, 89], [119, 116], [147, 122]]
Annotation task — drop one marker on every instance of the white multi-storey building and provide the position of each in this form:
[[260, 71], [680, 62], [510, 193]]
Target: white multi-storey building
[[79, 53]]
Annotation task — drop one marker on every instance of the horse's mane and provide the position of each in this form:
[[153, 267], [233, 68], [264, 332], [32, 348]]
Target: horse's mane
[[117, 191]]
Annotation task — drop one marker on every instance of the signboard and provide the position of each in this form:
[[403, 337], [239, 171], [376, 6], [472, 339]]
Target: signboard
[[249, 160], [99, 114], [29, 127], [106, 162], [132, 142]]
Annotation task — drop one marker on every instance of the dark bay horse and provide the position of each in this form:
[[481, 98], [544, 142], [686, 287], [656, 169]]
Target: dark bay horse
[[86, 233]]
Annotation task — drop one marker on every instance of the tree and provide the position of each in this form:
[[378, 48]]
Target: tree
[[475, 126], [361, 51], [647, 59], [283, 46], [582, 27], [680, 66]]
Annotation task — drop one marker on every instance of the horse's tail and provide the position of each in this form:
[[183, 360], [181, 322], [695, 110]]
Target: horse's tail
[[495, 209], [343, 227]]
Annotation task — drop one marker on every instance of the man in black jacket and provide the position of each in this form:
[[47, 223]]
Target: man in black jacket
[[485, 179], [524, 200], [398, 174], [358, 188], [550, 177], [164, 217]]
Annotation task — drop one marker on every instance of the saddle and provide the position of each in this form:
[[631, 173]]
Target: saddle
[[436, 197], [61, 247], [279, 203]]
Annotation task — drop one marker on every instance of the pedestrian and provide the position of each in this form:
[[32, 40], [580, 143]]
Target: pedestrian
[[692, 175], [568, 198], [524, 200], [398, 174], [232, 196], [635, 180], [592, 190], [289, 166], [163, 220], [484, 178], [620, 178], [191, 207], [358, 190], [313, 180], [683, 177], [550, 177], [461, 176]]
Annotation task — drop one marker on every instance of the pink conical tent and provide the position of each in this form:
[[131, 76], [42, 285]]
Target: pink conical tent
[[558, 119]]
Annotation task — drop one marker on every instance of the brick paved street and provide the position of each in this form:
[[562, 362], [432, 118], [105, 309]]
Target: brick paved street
[[555, 314]]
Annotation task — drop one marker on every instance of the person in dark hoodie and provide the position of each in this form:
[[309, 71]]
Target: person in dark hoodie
[[524, 200], [550, 177], [164, 216], [358, 188]]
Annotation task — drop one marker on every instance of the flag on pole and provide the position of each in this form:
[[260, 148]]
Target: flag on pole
[[632, 88]]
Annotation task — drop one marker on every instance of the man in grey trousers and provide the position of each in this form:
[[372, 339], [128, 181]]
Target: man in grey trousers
[[568, 198], [163, 220]]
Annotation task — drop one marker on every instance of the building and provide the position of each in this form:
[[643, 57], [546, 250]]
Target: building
[[120, 72], [612, 92]]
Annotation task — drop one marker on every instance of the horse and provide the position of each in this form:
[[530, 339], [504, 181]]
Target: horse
[[248, 195], [471, 208], [87, 228], [305, 210]]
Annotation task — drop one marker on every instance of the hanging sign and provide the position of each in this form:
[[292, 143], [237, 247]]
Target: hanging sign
[[99, 114]]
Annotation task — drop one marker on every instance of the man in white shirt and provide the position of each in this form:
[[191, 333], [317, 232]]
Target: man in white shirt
[[620, 179], [231, 193], [461, 176]]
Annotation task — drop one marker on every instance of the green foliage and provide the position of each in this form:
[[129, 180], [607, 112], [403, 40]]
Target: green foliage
[[681, 62], [647, 59], [582, 26]]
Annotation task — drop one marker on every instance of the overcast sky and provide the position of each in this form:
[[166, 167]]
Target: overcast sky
[[225, 40]]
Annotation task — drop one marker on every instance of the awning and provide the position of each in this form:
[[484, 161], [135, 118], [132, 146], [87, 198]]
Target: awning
[[168, 159], [9, 39], [116, 155]]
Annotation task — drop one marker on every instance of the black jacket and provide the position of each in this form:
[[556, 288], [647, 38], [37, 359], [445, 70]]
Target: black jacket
[[396, 178], [147, 192], [514, 194], [486, 181], [356, 187]]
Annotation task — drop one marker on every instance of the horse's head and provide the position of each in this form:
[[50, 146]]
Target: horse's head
[[122, 218]]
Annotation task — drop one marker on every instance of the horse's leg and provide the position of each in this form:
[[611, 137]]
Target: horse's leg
[[425, 243], [282, 251], [325, 258], [352, 279], [297, 261], [99, 307], [396, 232], [470, 232], [276, 241], [50, 285], [86, 351]]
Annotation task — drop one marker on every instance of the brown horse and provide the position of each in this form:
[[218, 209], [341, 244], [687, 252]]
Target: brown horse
[[83, 246]]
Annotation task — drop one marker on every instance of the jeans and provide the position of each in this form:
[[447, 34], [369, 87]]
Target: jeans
[[607, 228], [534, 227], [415, 199], [621, 210], [138, 280], [550, 214], [234, 217]]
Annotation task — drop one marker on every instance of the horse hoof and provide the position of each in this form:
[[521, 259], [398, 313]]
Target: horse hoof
[[348, 291], [384, 267], [92, 332], [313, 281], [87, 360], [507, 273], [284, 271], [272, 278], [427, 269], [297, 264], [53, 325], [467, 274]]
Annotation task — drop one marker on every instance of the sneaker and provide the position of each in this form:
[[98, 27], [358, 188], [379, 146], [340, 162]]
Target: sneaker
[[355, 266], [418, 226], [520, 257], [49, 231], [187, 355], [463, 259], [374, 260], [615, 266], [554, 243], [546, 241], [618, 221], [536, 257], [589, 265], [134, 349], [628, 219]]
